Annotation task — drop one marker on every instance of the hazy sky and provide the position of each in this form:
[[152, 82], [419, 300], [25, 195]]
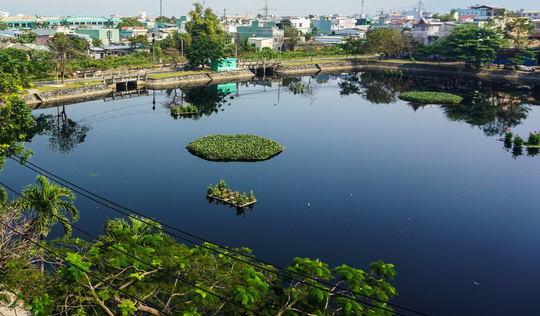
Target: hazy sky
[[238, 7]]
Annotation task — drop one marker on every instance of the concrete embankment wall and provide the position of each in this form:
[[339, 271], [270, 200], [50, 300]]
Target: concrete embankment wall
[[286, 71], [407, 67], [199, 79], [67, 94]]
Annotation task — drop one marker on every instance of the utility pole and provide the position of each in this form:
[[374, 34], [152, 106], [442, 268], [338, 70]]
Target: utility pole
[[265, 9]]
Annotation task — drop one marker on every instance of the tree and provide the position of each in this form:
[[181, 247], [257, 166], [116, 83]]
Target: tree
[[15, 116], [386, 42], [3, 25], [52, 203], [109, 24], [97, 42], [62, 49], [291, 37], [254, 287], [517, 30], [129, 22], [64, 23], [472, 44], [80, 44], [354, 46], [446, 17], [285, 23], [119, 230], [139, 41], [173, 55], [206, 36], [203, 51]]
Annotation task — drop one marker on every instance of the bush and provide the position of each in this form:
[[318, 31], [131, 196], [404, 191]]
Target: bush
[[431, 97], [534, 139], [518, 141], [234, 147]]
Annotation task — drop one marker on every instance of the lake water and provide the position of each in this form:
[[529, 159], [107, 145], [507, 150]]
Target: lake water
[[429, 189]]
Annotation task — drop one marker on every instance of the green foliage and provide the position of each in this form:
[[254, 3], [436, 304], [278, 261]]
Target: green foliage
[[206, 38], [473, 44], [41, 306], [62, 48], [127, 308], [517, 30], [129, 22], [518, 141], [386, 42], [139, 41], [234, 147], [430, 97], [522, 57], [393, 74], [52, 203], [184, 109], [534, 139], [15, 119]]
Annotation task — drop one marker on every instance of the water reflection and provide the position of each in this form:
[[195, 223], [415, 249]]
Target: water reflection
[[207, 99], [492, 107], [240, 211], [64, 133]]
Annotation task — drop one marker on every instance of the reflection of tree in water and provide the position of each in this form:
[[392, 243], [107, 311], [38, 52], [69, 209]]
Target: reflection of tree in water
[[493, 107], [64, 133], [207, 99], [374, 87], [307, 89]]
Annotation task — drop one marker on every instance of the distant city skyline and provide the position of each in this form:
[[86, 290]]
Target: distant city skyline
[[239, 7]]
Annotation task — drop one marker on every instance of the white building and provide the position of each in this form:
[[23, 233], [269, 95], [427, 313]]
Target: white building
[[532, 15], [301, 24], [261, 42]]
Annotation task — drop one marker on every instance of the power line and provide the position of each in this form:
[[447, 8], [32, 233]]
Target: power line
[[223, 247], [84, 271], [142, 261]]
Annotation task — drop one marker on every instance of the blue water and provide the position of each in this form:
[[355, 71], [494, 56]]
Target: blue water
[[437, 198]]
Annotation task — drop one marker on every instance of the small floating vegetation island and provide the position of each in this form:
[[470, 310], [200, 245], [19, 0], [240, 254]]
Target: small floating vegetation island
[[223, 192], [431, 97], [184, 109], [532, 144], [239, 147]]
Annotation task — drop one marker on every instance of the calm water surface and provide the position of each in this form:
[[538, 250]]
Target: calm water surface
[[429, 189]]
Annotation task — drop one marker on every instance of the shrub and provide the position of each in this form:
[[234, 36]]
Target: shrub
[[518, 141], [240, 200], [534, 139], [431, 97]]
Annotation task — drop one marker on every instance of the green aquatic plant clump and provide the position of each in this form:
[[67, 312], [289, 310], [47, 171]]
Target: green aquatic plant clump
[[431, 97], [234, 147], [184, 109]]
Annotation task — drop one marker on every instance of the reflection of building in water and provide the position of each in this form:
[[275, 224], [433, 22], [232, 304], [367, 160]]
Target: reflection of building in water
[[323, 78], [126, 94], [225, 88]]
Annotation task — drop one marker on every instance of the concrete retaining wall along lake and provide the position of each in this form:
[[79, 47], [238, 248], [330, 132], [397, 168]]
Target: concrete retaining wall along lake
[[67, 94], [486, 74], [297, 69]]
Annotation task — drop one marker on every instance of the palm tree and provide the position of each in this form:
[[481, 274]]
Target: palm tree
[[47, 200], [119, 230], [64, 22], [109, 23], [51, 202]]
